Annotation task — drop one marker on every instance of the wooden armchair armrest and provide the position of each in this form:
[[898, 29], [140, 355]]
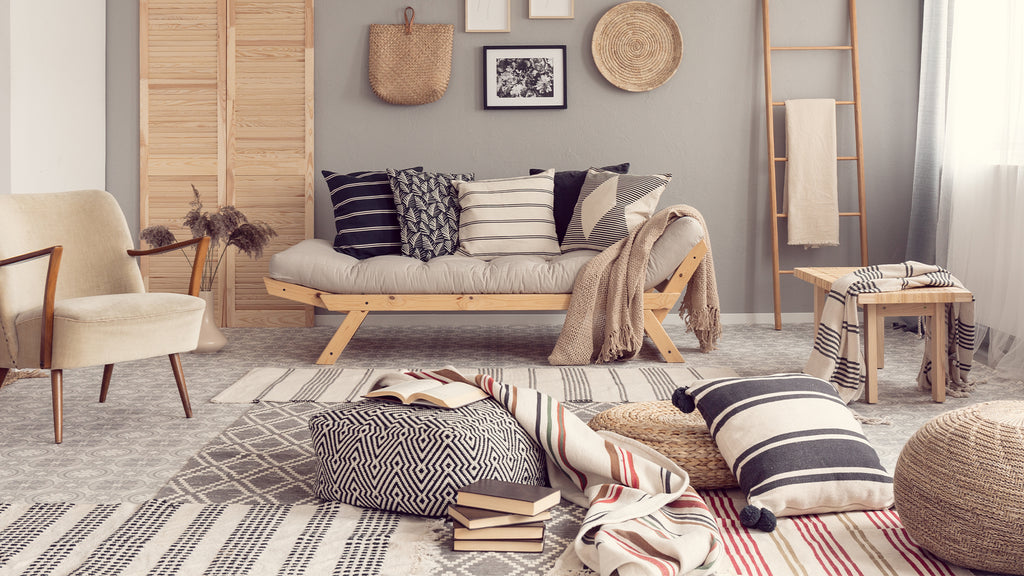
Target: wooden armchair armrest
[[197, 262], [49, 293]]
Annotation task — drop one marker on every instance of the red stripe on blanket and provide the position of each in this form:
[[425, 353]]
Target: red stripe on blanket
[[628, 546]]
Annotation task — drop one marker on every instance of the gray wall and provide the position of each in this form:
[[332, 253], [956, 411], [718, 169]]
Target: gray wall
[[706, 125]]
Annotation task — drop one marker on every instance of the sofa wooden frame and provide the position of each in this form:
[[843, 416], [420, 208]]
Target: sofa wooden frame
[[657, 304]]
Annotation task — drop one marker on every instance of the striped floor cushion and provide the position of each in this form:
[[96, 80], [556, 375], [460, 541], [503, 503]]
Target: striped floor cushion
[[793, 445]]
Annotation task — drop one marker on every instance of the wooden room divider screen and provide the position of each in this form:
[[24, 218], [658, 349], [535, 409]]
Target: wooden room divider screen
[[226, 104]]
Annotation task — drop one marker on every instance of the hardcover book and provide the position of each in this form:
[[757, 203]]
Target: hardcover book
[[502, 496], [476, 518], [531, 531], [500, 545], [407, 388]]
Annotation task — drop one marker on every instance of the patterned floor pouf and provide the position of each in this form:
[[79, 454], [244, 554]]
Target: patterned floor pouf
[[684, 438], [959, 483], [413, 459]]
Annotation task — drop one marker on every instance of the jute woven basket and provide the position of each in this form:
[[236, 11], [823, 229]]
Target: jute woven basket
[[410, 63], [959, 486], [684, 438], [637, 46]]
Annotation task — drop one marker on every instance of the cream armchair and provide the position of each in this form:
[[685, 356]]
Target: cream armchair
[[72, 295]]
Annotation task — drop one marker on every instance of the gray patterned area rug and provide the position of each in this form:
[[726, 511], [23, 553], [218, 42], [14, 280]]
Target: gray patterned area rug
[[574, 383], [266, 458]]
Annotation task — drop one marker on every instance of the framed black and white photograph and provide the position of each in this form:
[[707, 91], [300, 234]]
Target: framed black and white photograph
[[552, 9], [524, 77], [488, 16]]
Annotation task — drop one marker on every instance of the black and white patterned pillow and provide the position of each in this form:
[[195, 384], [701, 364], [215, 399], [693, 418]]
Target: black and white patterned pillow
[[568, 184], [793, 445], [611, 205], [413, 459], [428, 211], [507, 216], [365, 218]]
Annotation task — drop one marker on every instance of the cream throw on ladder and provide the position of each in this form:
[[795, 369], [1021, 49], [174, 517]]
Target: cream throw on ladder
[[811, 197], [837, 352]]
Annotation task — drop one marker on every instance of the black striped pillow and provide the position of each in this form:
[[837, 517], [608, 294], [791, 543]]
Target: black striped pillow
[[364, 213], [793, 445], [507, 217], [610, 206]]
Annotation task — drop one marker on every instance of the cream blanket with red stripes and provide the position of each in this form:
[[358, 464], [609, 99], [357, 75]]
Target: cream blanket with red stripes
[[643, 516]]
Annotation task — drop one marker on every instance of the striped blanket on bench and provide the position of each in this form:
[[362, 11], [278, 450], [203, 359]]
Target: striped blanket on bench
[[836, 356]]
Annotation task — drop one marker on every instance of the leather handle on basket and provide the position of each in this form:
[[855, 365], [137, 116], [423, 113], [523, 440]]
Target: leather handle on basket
[[409, 20]]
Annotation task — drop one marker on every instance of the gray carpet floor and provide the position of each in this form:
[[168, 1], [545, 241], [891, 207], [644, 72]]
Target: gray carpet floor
[[130, 447], [138, 445]]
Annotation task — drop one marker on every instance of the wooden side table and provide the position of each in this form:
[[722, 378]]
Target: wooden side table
[[878, 305]]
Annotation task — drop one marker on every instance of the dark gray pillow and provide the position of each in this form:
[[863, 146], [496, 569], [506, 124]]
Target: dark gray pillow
[[428, 211], [568, 184]]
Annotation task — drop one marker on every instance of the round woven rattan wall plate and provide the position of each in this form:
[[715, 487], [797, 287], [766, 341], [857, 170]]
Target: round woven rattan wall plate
[[637, 46]]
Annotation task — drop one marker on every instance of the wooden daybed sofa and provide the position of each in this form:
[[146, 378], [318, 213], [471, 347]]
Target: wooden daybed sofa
[[311, 272]]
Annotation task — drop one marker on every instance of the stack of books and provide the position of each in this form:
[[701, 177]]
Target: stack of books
[[499, 516]]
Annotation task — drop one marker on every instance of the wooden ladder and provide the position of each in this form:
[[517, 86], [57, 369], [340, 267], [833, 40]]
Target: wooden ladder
[[770, 105]]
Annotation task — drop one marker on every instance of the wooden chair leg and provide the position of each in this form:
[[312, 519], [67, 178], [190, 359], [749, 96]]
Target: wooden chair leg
[[57, 387], [179, 377], [108, 370]]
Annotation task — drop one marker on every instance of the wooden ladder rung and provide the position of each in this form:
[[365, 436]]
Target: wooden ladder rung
[[784, 159], [797, 48], [786, 215], [838, 103]]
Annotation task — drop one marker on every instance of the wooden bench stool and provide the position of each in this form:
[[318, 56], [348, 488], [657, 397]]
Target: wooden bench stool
[[878, 305]]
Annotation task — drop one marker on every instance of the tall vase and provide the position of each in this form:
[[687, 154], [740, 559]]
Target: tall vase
[[211, 338]]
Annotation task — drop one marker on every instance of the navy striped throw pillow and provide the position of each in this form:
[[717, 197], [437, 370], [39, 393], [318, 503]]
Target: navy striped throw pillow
[[793, 445], [364, 213], [610, 206]]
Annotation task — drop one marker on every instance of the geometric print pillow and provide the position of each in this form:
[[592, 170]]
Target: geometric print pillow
[[610, 206], [428, 211], [792, 444], [507, 216], [364, 213]]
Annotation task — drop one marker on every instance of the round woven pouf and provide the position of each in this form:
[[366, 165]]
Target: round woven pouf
[[959, 486], [684, 438]]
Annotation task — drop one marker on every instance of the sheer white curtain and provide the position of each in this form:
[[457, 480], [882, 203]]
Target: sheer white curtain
[[983, 170]]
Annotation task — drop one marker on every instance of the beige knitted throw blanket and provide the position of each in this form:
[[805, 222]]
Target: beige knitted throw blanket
[[605, 319]]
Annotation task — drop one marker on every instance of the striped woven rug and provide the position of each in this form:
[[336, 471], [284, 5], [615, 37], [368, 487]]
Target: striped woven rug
[[574, 383], [161, 538], [852, 543]]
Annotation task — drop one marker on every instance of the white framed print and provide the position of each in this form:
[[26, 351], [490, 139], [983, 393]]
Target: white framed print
[[524, 77], [552, 9], [488, 16]]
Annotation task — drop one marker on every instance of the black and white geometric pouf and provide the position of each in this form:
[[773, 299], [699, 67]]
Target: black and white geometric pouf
[[412, 459]]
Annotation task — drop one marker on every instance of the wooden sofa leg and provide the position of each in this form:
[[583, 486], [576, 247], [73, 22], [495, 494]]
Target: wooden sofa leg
[[341, 338], [654, 329]]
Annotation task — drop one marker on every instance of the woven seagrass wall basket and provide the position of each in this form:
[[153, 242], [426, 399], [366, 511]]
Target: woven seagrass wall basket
[[637, 46]]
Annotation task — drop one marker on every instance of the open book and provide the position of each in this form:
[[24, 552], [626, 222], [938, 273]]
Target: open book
[[445, 388]]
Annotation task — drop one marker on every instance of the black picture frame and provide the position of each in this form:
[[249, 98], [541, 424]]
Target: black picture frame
[[525, 77]]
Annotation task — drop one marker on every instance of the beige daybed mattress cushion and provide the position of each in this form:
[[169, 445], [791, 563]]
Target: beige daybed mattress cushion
[[315, 264]]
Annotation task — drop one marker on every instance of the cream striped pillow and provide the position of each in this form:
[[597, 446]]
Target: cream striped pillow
[[507, 217]]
